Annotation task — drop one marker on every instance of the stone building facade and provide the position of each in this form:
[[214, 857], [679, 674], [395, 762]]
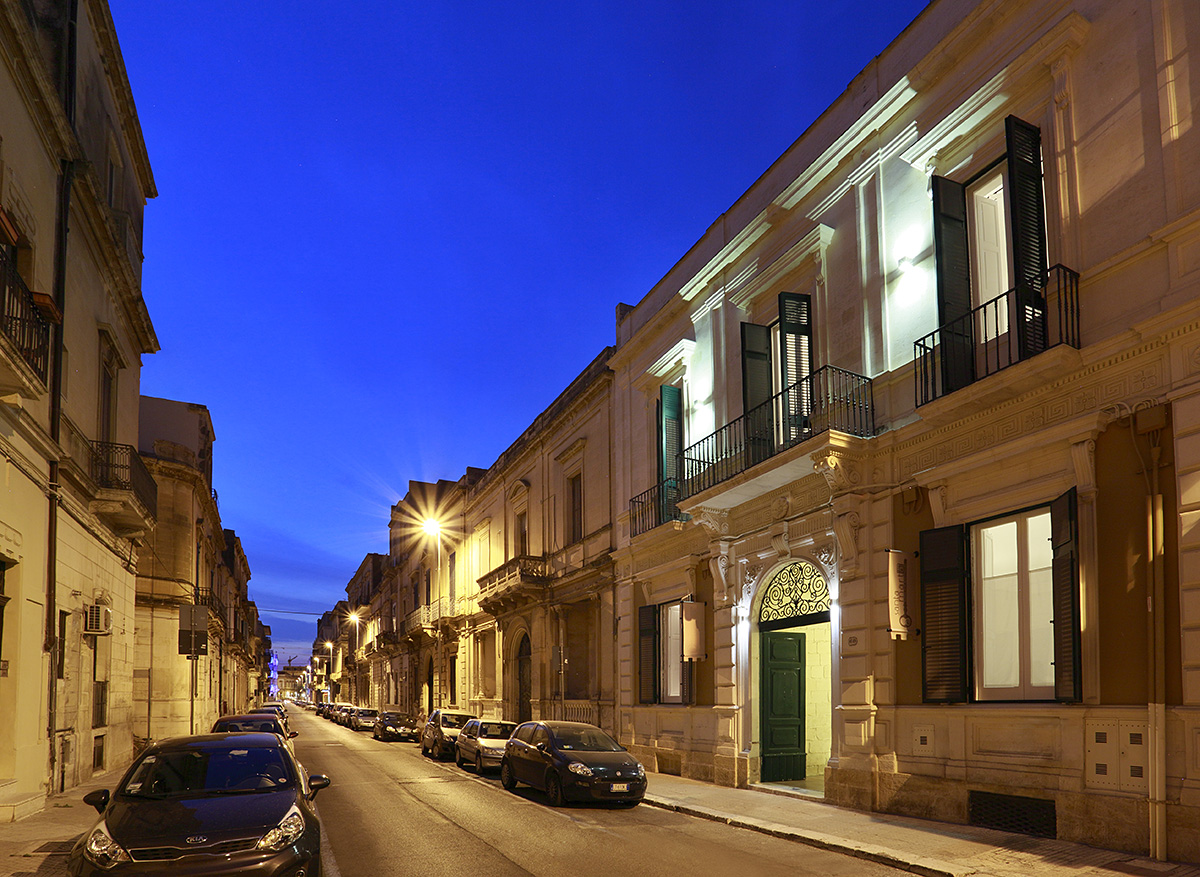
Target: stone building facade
[[76, 500]]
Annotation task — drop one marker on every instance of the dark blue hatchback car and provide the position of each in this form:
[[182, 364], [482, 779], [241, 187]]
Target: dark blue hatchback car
[[572, 761]]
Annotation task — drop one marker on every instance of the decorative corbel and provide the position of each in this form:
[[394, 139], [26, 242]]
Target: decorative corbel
[[1083, 458], [845, 528], [750, 574], [714, 521]]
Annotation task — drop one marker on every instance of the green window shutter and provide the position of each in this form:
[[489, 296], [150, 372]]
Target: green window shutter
[[756, 366], [1064, 539], [953, 283], [944, 615], [670, 431], [648, 654], [688, 680]]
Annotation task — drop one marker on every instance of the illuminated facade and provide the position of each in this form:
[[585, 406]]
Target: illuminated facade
[[75, 501], [946, 343]]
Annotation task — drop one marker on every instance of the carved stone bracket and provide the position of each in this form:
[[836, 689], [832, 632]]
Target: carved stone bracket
[[840, 471], [845, 528], [719, 562], [714, 521], [750, 574]]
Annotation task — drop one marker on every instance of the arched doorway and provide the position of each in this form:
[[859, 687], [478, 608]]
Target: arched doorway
[[524, 679], [795, 656]]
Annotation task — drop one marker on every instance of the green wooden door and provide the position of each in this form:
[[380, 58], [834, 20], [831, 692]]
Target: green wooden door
[[782, 719]]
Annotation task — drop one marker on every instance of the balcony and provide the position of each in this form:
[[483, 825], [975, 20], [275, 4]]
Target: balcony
[[23, 330], [1011, 328], [828, 399], [210, 598], [517, 582], [127, 495], [655, 507]]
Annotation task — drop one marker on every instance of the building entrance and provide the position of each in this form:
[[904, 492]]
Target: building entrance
[[795, 688]]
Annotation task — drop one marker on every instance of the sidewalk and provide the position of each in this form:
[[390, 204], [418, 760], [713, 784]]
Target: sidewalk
[[915, 845], [37, 845]]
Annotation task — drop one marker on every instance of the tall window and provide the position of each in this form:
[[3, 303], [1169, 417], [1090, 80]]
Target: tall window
[[3, 603], [1006, 592], [521, 534], [663, 675], [450, 575], [1014, 608], [575, 508], [109, 366]]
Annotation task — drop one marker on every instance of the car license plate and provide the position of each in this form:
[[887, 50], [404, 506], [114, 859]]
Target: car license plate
[[620, 787]]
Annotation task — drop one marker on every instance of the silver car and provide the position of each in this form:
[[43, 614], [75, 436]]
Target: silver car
[[362, 717], [481, 743], [438, 736]]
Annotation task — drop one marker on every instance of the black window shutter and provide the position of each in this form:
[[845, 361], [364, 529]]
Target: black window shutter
[[670, 431], [795, 334], [648, 654], [756, 366], [944, 659], [1026, 202], [1064, 538], [953, 283]]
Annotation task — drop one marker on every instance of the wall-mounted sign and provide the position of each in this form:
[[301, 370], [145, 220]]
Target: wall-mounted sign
[[900, 566]]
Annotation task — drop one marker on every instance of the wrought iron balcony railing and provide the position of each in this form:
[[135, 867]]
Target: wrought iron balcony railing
[[829, 398], [20, 320], [1011, 328], [210, 598], [655, 507], [119, 467]]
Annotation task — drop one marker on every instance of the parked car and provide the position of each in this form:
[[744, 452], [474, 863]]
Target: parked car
[[392, 725], [481, 743], [571, 761], [441, 731], [252, 722], [272, 711], [362, 717], [173, 811]]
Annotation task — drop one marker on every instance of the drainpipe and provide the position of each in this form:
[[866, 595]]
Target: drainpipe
[[1157, 709]]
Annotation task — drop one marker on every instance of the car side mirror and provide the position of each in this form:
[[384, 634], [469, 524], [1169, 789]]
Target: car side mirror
[[316, 783], [98, 799], [541, 747], [292, 734]]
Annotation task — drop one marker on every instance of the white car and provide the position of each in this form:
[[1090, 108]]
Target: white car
[[481, 743], [362, 717]]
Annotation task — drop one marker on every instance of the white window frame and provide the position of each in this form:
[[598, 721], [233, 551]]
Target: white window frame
[[1030, 635], [670, 652]]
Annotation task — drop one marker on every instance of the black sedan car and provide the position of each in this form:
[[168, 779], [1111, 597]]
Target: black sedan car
[[211, 805], [397, 726], [571, 761]]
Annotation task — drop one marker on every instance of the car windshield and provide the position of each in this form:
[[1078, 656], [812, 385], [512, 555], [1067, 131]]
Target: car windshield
[[454, 720], [585, 740], [209, 771], [496, 730]]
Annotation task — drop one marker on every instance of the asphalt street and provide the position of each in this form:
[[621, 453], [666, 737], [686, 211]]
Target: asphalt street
[[392, 811]]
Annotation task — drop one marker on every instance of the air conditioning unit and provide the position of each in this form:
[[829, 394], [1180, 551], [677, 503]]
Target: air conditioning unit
[[97, 620]]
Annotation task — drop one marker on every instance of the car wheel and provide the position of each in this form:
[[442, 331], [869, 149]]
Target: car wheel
[[478, 764], [506, 776], [458, 759], [554, 790]]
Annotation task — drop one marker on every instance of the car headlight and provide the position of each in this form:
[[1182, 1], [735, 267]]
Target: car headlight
[[582, 769], [102, 850], [641, 771], [284, 834]]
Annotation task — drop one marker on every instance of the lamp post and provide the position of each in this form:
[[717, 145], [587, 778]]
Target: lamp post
[[329, 672]]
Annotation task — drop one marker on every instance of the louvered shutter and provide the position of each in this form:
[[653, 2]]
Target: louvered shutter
[[1064, 539], [953, 283], [1028, 218], [688, 682], [944, 615], [795, 343], [648, 654], [670, 431]]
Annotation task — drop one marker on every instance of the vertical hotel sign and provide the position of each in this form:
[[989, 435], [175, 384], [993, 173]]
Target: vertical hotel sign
[[900, 567]]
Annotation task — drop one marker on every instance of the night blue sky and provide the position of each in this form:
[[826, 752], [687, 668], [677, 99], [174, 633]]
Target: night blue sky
[[388, 234]]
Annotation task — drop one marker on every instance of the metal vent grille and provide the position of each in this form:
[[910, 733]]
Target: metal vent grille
[[1033, 816]]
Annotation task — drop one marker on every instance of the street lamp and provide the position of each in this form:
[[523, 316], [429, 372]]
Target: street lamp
[[433, 528], [329, 672]]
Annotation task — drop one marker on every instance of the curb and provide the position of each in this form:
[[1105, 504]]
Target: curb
[[869, 852]]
